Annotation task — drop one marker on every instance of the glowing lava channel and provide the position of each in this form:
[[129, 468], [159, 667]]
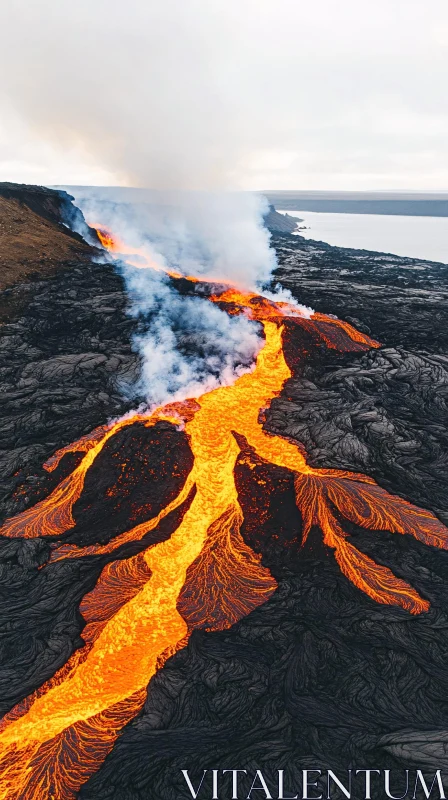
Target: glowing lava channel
[[138, 613]]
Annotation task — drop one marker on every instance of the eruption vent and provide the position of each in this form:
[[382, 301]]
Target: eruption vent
[[143, 608]]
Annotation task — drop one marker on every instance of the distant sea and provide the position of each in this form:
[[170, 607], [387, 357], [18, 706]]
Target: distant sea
[[413, 237]]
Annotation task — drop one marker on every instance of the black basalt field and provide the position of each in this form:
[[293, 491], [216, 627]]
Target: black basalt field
[[320, 676]]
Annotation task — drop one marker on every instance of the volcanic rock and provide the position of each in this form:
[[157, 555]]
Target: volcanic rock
[[280, 223]]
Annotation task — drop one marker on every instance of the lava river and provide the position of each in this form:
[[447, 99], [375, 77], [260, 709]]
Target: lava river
[[139, 613]]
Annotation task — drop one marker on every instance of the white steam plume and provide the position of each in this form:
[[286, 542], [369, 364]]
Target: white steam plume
[[189, 346], [213, 234]]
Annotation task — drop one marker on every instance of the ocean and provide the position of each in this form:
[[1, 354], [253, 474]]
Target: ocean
[[414, 237]]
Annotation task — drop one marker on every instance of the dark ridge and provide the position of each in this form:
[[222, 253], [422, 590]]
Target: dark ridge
[[280, 223], [51, 204]]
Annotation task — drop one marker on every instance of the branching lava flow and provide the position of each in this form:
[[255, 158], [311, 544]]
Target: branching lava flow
[[139, 612]]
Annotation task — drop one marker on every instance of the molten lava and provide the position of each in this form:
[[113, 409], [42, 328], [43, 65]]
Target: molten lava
[[143, 608], [136, 256]]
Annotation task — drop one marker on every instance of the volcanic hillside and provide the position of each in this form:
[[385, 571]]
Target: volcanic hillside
[[33, 237]]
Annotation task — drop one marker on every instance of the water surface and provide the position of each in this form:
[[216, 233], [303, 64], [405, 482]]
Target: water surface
[[414, 237]]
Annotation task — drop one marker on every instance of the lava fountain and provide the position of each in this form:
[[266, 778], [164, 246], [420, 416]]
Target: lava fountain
[[139, 613]]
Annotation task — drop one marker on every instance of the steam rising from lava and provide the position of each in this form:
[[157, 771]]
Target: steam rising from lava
[[217, 235], [188, 345], [224, 347]]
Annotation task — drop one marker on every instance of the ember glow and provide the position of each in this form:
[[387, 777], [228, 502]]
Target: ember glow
[[143, 608]]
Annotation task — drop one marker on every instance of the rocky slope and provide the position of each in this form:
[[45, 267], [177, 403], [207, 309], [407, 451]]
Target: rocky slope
[[65, 341], [280, 223], [34, 235]]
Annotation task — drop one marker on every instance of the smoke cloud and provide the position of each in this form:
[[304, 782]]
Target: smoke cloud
[[188, 345], [191, 346], [217, 235]]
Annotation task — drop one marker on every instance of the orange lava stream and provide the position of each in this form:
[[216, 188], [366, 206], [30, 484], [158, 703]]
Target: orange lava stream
[[136, 256], [143, 608]]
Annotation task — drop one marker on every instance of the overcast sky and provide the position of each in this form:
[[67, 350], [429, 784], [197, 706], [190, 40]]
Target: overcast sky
[[252, 94]]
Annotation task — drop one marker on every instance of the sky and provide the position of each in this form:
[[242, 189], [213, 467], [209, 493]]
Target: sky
[[225, 94]]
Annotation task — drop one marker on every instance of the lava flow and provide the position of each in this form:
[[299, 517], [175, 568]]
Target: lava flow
[[204, 575], [136, 256]]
